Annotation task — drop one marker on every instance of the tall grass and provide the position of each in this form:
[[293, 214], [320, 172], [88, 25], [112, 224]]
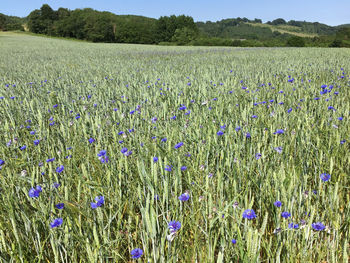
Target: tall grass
[[96, 86]]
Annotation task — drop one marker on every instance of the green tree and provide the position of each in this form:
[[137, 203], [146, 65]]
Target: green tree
[[296, 41]]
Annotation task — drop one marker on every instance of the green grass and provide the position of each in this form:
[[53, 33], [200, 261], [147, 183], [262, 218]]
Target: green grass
[[221, 170], [286, 29]]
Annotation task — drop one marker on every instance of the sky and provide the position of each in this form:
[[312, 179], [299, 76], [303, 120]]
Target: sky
[[332, 13]]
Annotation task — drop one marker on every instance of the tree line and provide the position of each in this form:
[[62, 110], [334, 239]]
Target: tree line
[[96, 26]]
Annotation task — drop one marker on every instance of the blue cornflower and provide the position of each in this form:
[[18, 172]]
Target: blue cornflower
[[174, 226], [325, 177], [102, 153], [23, 147], [293, 226], [219, 133], [36, 142], [91, 140], [318, 226], [155, 159], [164, 140], [60, 206], [249, 214], [136, 253], [340, 118], [342, 141], [183, 168], [57, 222], [238, 128], [289, 110], [50, 160], [331, 108], [100, 200], [35, 192], [177, 146], [128, 153], [132, 112], [277, 203], [182, 108], [184, 197], [2, 162], [60, 169], [32, 133], [254, 116], [278, 149], [233, 241], [56, 185], [258, 156], [247, 135], [279, 131], [173, 118], [285, 214], [168, 168]]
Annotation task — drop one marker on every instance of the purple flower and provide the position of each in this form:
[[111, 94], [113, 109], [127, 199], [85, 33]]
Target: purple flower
[[258, 156], [60, 206], [289, 110], [325, 177], [124, 150], [183, 168], [91, 140], [293, 226], [155, 159], [277, 203], [278, 149], [219, 133], [60, 169], [285, 214], [247, 135], [233, 241], [174, 226], [249, 214], [56, 185], [136, 253], [102, 153], [177, 146], [35, 192], [23, 147], [184, 197], [36, 142], [318, 226], [182, 108], [279, 131], [57, 222], [168, 168], [100, 200], [2, 162]]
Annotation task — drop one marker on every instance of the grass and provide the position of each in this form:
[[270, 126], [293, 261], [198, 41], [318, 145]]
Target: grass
[[286, 29], [96, 86]]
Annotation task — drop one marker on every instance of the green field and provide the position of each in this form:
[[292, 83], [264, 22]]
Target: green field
[[257, 126]]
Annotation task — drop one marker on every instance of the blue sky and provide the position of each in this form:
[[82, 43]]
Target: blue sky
[[325, 11]]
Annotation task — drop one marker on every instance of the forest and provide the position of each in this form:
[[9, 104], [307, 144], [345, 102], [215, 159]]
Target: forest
[[96, 26]]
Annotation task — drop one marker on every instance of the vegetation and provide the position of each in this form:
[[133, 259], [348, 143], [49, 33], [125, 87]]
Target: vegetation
[[115, 152]]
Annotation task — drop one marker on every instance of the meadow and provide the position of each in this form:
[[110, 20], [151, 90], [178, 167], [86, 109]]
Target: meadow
[[122, 153]]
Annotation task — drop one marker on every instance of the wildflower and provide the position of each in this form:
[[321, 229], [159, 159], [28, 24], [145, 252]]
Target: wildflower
[[289, 110], [182, 108], [100, 200], [184, 197], [91, 140], [293, 226], [35, 192], [2, 162], [249, 214], [174, 226], [258, 156], [168, 168], [57, 222], [136, 253], [60, 206], [233, 241], [124, 150], [254, 116], [278, 149], [318, 226], [247, 135], [155, 159], [177, 146], [102, 153], [285, 214], [32, 133], [56, 185], [23, 147], [36, 142], [279, 131], [325, 177], [164, 140], [183, 168], [237, 128], [277, 203], [219, 133], [60, 169]]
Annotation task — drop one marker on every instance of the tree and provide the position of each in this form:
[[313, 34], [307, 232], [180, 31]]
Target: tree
[[2, 22], [279, 21], [184, 35], [296, 41]]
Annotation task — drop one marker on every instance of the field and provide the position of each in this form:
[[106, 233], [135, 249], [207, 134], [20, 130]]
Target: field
[[104, 146]]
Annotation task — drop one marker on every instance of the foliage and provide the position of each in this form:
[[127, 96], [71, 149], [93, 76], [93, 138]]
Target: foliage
[[296, 42]]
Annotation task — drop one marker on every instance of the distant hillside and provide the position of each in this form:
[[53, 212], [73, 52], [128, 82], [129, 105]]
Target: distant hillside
[[243, 28]]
